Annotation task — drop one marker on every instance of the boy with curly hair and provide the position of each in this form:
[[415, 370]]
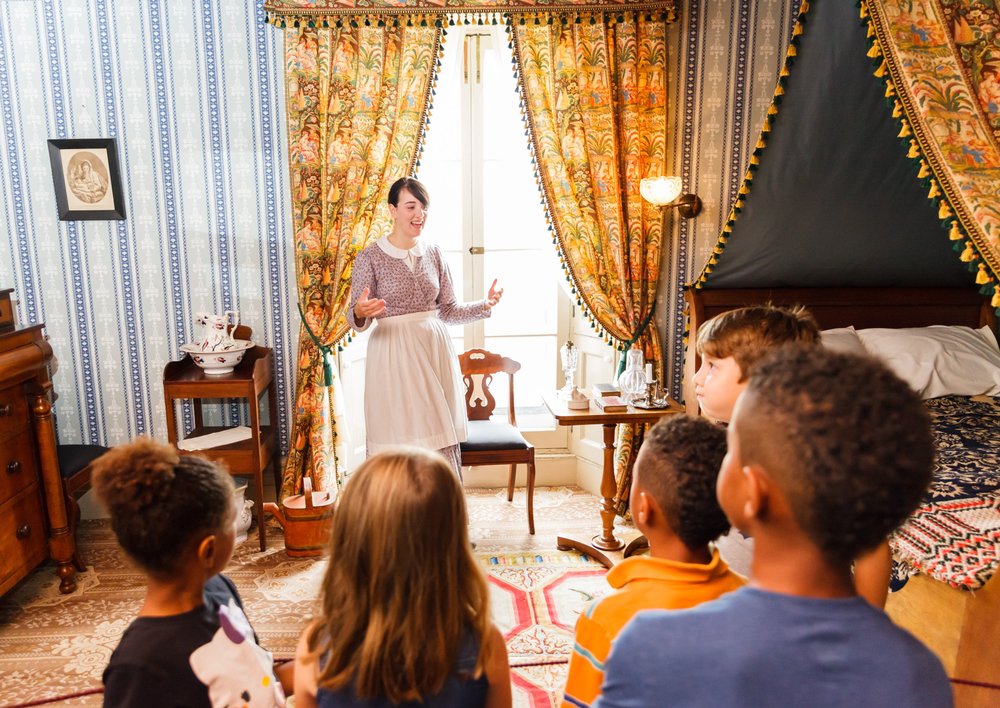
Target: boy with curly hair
[[827, 454], [730, 344], [673, 503]]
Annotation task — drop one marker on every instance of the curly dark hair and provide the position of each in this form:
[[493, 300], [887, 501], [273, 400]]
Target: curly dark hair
[[160, 501], [411, 185], [748, 333], [681, 460], [847, 441]]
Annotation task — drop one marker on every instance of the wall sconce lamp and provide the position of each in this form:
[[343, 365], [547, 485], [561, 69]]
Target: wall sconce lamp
[[665, 193]]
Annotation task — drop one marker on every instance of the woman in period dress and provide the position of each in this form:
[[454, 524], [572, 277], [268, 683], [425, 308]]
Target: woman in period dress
[[413, 387]]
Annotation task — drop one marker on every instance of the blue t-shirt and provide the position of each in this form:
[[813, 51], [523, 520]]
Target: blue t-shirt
[[460, 690], [758, 648]]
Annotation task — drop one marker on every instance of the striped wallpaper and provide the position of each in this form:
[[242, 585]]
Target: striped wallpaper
[[193, 93], [724, 69], [192, 90]]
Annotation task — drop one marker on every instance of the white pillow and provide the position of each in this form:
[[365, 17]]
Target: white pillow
[[844, 340], [939, 360]]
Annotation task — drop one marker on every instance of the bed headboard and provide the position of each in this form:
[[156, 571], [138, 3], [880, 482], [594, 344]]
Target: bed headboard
[[842, 307]]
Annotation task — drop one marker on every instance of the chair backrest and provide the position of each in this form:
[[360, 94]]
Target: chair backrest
[[481, 364]]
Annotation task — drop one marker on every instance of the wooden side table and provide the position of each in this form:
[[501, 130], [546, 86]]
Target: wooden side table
[[251, 379], [605, 547]]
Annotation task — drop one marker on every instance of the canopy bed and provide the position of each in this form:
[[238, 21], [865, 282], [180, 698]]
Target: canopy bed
[[858, 205]]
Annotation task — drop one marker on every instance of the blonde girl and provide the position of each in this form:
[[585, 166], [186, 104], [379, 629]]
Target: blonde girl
[[405, 612]]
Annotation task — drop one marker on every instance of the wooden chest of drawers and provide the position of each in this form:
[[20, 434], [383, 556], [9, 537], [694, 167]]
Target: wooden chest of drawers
[[33, 524]]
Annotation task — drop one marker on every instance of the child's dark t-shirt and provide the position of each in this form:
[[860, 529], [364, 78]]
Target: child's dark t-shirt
[[152, 665]]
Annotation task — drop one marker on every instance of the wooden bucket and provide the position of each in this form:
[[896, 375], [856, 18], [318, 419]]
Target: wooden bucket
[[306, 518]]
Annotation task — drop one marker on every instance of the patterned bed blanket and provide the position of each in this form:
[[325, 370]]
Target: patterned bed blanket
[[954, 536]]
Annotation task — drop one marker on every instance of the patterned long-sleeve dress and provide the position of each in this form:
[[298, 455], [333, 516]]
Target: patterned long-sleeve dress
[[413, 386]]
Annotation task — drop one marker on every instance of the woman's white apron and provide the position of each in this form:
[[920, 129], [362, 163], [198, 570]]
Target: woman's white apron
[[413, 386]]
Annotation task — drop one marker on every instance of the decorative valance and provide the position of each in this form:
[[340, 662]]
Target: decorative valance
[[320, 13], [940, 62]]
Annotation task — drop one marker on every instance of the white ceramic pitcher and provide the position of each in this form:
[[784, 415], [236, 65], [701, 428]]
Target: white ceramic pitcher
[[217, 330]]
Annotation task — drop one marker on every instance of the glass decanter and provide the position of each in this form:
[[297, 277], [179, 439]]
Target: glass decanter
[[570, 357], [632, 382]]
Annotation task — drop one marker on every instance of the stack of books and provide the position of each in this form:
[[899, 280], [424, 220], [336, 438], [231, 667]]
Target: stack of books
[[600, 390], [611, 404]]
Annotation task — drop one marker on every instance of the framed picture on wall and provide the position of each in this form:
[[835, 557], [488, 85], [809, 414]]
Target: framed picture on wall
[[87, 179]]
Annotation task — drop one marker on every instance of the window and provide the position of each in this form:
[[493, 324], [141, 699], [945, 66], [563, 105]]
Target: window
[[487, 215]]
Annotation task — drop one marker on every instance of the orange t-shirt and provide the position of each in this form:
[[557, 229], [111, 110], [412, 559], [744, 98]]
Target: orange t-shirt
[[642, 583]]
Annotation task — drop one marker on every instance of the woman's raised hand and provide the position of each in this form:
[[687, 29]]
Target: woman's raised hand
[[366, 307], [494, 295]]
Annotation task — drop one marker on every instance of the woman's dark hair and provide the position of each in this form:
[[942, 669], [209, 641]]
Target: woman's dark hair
[[161, 501], [412, 186]]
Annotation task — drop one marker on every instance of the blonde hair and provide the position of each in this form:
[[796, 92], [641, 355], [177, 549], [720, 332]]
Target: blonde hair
[[402, 587], [748, 333]]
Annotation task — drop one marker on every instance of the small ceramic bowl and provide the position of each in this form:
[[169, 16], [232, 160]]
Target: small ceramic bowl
[[220, 362]]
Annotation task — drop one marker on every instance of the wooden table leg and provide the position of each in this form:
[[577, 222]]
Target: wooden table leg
[[258, 473], [62, 544], [605, 548], [607, 540]]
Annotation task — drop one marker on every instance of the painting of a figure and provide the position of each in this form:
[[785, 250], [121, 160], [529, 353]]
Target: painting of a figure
[[87, 179]]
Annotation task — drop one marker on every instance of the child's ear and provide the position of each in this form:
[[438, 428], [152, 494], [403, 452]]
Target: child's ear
[[206, 551], [758, 491], [642, 509]]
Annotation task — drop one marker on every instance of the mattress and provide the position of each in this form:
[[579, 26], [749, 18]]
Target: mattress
[[954, 536]]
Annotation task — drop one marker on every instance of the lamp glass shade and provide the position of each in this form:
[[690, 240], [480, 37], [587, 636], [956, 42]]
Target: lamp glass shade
[[660, 191]]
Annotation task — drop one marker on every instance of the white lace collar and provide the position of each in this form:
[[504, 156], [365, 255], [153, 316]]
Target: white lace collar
[[419, 248]]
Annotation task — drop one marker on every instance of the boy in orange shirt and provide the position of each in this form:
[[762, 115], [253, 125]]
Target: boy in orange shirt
[[673, 503]]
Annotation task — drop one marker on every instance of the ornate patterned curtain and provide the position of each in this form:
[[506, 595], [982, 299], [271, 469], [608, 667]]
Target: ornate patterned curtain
[[595, 94], [356, 99], [941, 65]]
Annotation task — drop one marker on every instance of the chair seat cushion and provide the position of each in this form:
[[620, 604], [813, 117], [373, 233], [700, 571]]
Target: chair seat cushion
[[493, 435], [73, 458]]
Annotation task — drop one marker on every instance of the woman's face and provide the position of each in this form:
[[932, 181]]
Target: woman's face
[[409, 214]]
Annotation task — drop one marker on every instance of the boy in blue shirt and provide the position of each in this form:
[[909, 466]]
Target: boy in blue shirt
[[827, 454]]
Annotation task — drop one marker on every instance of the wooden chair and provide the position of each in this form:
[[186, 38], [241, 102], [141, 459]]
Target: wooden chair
[[74, 468], [493, 442]]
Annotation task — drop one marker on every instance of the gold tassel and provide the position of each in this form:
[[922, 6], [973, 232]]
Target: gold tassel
[[728, 228], [955, 234], [784, 73], [982, 277], [723, 240], [944, 211], [925, 170], [717, 251], [995, 302], [780, 91], [933, 191], [968, 255], [890, 91], [871, 30], [914, 151], [738, 204], [760, 143], [754, 160], [864, 10], [792, 51], [744, 189], [874, 52], [803, 8], [772, 110], [797, 30], [880, 71], [904, 130], [897, 109]]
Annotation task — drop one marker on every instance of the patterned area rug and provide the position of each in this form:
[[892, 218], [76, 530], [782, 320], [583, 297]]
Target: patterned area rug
[[56, 645], [536, 600]]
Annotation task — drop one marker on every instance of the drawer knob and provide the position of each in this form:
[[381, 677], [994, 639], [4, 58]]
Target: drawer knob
[[23, 531], [5, 409], [13, 467]]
